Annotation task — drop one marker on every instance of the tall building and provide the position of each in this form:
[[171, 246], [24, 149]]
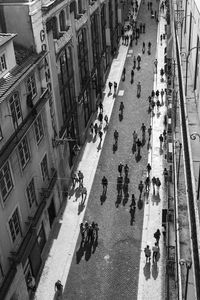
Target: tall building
[[51, 79]]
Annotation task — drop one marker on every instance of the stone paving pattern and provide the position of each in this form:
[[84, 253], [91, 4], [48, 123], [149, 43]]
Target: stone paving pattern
[[110, 270]]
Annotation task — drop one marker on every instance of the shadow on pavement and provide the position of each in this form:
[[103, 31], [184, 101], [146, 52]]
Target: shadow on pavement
[[102, 198], [118, 201], [79, 253], [146, 270], [81, 207], [154, 270]]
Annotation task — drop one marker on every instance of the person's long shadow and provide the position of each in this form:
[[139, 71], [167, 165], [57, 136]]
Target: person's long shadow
[[119, 200], [156, 198], [143, 140], [94, 138], [88, 251], [79, 253], [146, 270], [71, 192], [161, 151], [121, 117], [94, 245], [103, 198], [109, 94], [77, 193], [138, 157], [134, 148], [132, 213], [115, 146], [148, 145], [155, 270], [99, 147], [140, 203], [81, 207], [125, 200]]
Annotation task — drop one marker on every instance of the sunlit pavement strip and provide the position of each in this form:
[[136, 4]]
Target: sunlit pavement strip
[[60, 257], [151, 276]]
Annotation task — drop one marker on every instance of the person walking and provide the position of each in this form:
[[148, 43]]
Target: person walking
[[95, 128], [115, 87], [155, 250], [138, 89], [106, 120], [139, 61], [121, 107], [157, 235], [143, 47], [154, 183], [149, 131], [149, 47], [147, 184], [124, 74], [134, 137], [157, 94], [116, 135], [104, 183], [161, 140], [120, 168], [148, 169], [143, 128], [134, 62], [74, 179], [162, 94], [147, 252], [165, 174], [101, 107], [100, 135], [132, 76], [158, 184], [139, 144], [80, 178], [140, 188], [83, 195], [161, 37], [158, 105], [156, 65], [110, 86], [133, 203], [126, 170], [162, 74], [82, 232]]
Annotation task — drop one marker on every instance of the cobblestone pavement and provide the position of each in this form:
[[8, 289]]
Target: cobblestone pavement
[[110, 269]]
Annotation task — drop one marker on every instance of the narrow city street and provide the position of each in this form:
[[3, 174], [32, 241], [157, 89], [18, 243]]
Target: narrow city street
[[110, 269]]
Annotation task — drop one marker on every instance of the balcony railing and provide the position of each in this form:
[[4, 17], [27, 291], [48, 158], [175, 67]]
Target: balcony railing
[[81, 21], [63, 40]]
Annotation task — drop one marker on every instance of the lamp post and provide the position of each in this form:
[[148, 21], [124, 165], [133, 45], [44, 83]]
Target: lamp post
[[186, 73]]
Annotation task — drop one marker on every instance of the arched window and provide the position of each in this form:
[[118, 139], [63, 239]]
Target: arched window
[[62, 21]]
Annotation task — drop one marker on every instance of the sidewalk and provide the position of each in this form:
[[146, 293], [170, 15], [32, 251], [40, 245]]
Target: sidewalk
[[152, 275], [59, 260]]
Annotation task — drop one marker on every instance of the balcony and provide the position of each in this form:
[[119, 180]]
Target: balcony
[[93, 6], [80, 21], [63, 40]]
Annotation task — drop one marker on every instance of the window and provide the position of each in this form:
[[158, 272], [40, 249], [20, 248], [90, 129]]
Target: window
[[15, 108], [14, 225], [24, 152], [44, 168], [31, 86], [6, 183], [62, 21], [39, 133], [3, 66], [30, 190]]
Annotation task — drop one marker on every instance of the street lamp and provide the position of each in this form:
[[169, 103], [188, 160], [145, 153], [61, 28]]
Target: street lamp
[[186, 75], [188, 264]]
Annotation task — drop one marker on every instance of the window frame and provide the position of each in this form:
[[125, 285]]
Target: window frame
[[32, 85], [39, 129], [24, 152], [31, 194], [3, 69], [10, 178], [1, 134], [45, 177], [13, 240], [15, 109]]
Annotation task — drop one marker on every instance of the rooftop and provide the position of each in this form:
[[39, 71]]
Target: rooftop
[[25, 59], [5, 37]]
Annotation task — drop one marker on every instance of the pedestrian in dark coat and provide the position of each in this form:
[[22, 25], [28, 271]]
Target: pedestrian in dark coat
[[104, 184], [157, 235]]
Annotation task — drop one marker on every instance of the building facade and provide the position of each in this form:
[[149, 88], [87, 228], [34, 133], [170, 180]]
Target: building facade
[[61, 56]]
